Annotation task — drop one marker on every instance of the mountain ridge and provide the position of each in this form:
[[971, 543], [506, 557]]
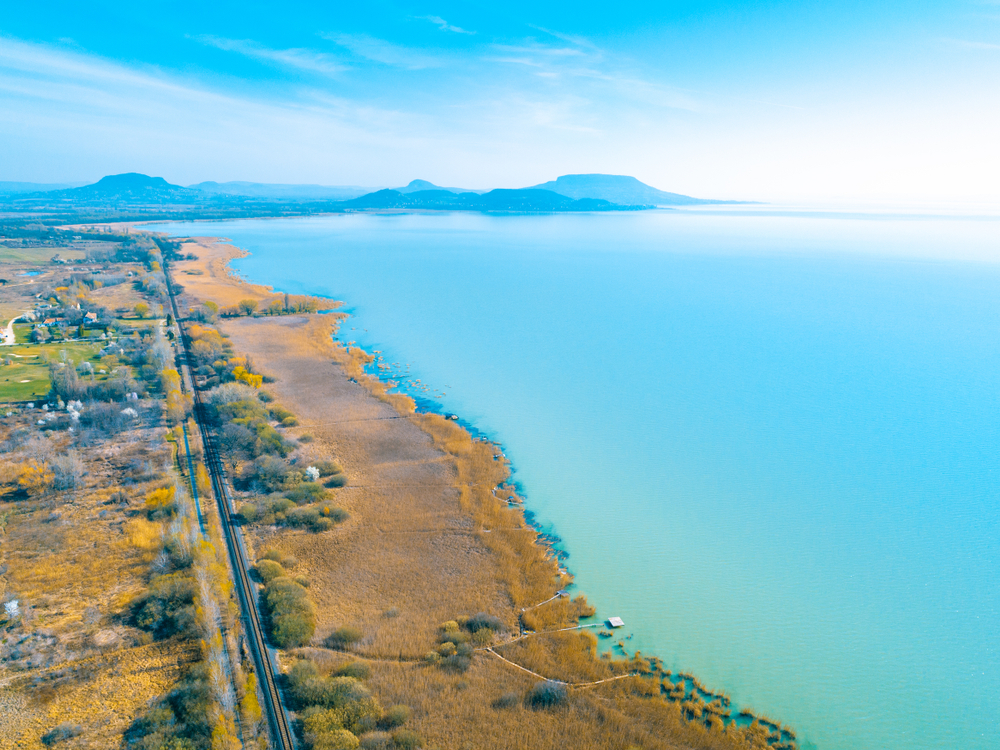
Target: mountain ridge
[[622, 189]]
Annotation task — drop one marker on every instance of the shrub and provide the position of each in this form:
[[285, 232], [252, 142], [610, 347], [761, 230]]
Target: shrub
[[548, 694], [268, 570], [327, 468], [407, 739], [302, 581], [290, 614], [482, 637], [247, 513], [376, 741], [161, 503], [64, 731], [344, 637], [289, 422], [395, 717], [507, 700], [36, 477], [483, 620], [280, 413], [356, 669], [306, 438], [456, 663], [306, 492], [167, 607], [337, 480]]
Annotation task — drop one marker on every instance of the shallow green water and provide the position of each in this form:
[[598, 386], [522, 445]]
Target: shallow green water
[[768, 441]]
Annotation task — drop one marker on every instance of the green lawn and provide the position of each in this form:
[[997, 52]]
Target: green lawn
[[38, 254], [27, 377]]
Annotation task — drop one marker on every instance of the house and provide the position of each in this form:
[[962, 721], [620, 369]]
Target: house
[[49, 322], [91, 316], [615, 622]]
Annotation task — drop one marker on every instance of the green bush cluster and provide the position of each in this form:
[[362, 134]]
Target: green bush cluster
[[335, 709], [290, 615], [278, 510], [167, 607]]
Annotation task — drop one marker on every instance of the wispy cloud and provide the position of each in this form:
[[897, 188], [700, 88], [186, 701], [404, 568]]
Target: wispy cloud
[[444, 25], [298, 58], [387, 53], [578, 59], [969, 44]]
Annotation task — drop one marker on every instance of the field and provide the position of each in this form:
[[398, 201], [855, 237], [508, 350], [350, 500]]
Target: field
[[24, 369]]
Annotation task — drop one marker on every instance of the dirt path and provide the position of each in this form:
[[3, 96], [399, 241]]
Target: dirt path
[[9, 339]]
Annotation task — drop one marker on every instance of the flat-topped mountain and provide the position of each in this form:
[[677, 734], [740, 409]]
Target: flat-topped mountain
[[617, 189]]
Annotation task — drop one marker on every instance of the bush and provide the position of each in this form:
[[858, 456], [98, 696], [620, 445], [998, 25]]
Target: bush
[[280, 413], [268, 570], [548, 694], [310, 518], [289, 422], [376, 741], [324, 728], [328, 468], [355, 669], [456, 663], [507, 700], [407, 739], [343, 638], [64, 731], [306, 492], [167, 607], [337, 480], [395, 717], [483, 620], [290, 614], [302, 581]]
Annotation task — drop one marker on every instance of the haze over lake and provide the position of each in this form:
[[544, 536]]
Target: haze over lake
[[768, 441]]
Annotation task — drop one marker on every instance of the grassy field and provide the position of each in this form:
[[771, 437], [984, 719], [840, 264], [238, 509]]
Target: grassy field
[[43, 254], [27, 375]]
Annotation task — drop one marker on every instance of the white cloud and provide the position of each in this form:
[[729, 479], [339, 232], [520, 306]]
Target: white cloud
[[299, 58], [971, 44], [444, 25], [387, 53]]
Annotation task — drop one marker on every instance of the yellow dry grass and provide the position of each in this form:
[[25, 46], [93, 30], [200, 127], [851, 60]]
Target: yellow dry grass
[[107, 694]]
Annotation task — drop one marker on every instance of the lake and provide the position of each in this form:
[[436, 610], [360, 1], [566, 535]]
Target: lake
[[768, 440]]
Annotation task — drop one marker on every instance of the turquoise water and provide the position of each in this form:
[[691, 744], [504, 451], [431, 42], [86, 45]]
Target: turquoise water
[[768, 441]]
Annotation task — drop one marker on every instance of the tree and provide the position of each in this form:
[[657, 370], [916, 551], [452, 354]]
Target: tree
[[141, 310], [36, 477], [40, 335], [237, 442], [248, 306]]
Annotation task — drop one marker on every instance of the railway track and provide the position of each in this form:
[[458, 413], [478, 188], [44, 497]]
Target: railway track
[[281, 733]]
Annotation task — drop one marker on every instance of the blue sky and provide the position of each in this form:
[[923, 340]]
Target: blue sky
[[801, 101]]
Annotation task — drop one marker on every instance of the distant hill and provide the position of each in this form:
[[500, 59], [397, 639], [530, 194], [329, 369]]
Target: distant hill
[[280, 191], [13, 188], [495, 200], [423, 185], [617, 189], [131, 187]]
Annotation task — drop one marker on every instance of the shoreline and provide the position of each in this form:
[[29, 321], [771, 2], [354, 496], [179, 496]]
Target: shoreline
[[355, 363]]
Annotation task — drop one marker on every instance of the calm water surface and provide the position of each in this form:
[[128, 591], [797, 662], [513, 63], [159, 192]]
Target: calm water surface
[[768, 442]]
